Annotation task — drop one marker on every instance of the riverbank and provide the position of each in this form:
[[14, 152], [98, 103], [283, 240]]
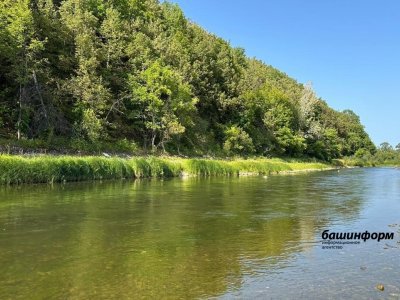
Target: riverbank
[[49, 169], [370, 162]]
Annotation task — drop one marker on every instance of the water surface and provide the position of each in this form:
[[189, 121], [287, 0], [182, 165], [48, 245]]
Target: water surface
[[244, 238]]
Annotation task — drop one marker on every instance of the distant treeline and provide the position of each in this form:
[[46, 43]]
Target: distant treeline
[[137, 72], [386, 155]]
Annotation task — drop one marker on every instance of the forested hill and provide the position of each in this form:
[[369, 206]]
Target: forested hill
[[137, 71]]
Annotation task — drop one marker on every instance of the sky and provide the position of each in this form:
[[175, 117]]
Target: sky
[[348, 49]]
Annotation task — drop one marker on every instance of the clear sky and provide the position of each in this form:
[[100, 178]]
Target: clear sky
[[348, 49]]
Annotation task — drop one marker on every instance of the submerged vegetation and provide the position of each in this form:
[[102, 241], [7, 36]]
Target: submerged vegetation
[[136, 75], [49, 169]]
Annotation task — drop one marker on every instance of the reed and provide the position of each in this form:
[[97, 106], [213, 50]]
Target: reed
[[49, 169], [17, 169], [205, 167]]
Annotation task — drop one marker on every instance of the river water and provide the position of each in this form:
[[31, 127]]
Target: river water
[[218, 238]]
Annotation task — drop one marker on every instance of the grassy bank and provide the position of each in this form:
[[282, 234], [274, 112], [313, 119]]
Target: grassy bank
[[49, 169]]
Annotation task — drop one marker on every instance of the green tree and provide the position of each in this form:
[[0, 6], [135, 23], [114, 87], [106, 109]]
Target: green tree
[[86, 87], [385, 146], [307, 115], [237, 141], [21, 51], [166, 104]]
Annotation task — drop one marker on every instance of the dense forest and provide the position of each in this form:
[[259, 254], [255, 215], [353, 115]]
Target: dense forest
[[137, 72]]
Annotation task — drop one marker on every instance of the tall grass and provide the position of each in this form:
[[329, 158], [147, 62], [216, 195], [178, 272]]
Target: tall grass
[[49, 169], [16, 169], [202, 167], [155, 167]]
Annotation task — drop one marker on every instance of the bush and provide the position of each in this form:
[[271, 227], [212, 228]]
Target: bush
[[238, 141]]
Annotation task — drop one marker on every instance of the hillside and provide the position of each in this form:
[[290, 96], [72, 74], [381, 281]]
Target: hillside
[[138, 74]]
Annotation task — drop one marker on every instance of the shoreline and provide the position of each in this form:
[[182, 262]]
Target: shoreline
[[16, 169]]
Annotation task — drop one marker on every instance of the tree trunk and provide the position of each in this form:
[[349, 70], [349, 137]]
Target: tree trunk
[[40, 97], [19, 113], [154, 133], [153, 141], [163, 147], [162, 142]]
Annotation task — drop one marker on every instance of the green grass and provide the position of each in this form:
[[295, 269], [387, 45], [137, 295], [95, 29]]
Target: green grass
[[267, 166], [17, 169], [203, 167], [49, 169]]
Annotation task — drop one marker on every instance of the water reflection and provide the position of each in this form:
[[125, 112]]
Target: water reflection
[[189, 238]]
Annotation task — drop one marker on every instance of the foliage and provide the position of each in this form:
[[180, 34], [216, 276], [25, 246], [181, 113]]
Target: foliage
[[165, 103], [237, 141], [107, 71], [386, 155]]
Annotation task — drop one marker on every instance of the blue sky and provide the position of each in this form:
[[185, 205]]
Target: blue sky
[[348, 49]]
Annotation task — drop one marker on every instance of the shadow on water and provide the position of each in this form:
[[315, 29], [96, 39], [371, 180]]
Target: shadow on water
[[178, 238]]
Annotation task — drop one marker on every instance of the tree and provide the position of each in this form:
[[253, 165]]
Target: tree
[[307, 106], [165, 101], [280, 119], [22, 51], [327, 147], [385, 146], [237, 141], [87, 86]]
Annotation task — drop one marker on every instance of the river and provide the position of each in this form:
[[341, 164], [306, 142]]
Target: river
[[202, 238]]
